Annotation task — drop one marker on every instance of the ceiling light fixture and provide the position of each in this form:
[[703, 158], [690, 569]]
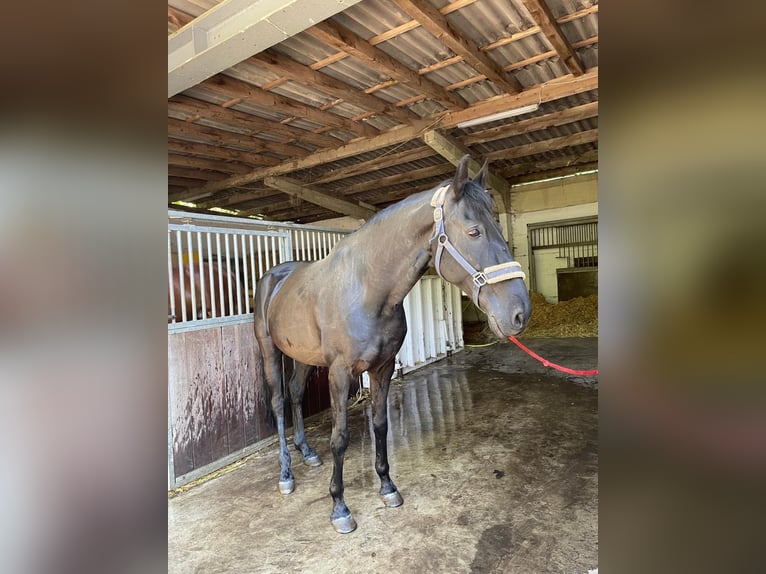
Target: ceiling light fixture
[[499, 116]]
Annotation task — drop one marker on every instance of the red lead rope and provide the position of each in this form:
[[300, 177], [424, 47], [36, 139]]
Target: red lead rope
[[549, 364]]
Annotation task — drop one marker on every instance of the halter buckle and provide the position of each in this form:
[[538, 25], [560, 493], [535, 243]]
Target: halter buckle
[[479, 279], [438, 214]]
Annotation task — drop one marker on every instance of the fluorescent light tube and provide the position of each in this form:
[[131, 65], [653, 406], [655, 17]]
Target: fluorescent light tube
[[499, 116]]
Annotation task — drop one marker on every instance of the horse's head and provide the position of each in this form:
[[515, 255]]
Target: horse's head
[[469, 251]]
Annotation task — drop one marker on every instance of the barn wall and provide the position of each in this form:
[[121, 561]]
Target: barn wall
[[558, 200], [215, 400]]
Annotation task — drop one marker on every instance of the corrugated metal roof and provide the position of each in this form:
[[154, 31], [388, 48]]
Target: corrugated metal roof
[[370, 100]]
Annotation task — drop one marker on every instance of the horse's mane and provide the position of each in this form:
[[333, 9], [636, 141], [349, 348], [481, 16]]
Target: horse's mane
[[476, 196]]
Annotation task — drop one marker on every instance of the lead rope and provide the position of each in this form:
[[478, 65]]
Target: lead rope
[[547, 363]]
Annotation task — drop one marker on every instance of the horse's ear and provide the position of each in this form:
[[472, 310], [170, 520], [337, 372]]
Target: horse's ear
[[481, 177], [461, 176]]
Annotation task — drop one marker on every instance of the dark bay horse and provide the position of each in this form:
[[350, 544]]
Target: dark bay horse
[[345, 312]]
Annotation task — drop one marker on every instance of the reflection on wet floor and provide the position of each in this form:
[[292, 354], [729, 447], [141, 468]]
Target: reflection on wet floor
[[424, 412], [496, 458]]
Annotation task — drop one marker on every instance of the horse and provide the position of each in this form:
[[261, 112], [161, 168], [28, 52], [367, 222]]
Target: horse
[[216, 292], [345, 312]]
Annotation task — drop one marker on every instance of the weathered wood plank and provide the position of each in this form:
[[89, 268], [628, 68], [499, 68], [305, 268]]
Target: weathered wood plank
[[179, 395]]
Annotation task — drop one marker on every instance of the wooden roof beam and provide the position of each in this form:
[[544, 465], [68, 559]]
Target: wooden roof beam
[[437, 25], [544, 18], [233, 88], [195, 110], [209, 164], [372, 165], [234, 30], [452, 150], [219, 152], [562, 117], [180, 129], [553, 90], [335, 35], [287, 67], [561, 142], [297, 189]]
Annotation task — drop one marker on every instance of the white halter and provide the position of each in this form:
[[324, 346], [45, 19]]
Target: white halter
[[491, 274]]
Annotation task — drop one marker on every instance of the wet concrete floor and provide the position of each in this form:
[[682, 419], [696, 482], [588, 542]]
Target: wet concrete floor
[[496, 457]]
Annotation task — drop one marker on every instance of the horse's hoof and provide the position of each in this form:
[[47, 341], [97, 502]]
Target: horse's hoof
[[344, 524], [287, 486], [392, 499], [312, 460]]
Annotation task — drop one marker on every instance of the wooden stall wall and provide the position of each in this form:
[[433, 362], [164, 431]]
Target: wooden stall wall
[[217, 411]]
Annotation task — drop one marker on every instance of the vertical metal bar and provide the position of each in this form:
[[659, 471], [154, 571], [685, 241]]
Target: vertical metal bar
[[236, 274], [203, 301], [230, 310], [210, 282], [313, 245], [222, 311], [245, 274], [273, 253], [190, 253], [252, 265], [181, 274], [260, 257], [171, 294]]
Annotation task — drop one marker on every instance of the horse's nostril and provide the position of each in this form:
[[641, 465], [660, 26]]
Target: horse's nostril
[[518, 319]]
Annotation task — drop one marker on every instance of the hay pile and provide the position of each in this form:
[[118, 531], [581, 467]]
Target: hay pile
[[577, 317]]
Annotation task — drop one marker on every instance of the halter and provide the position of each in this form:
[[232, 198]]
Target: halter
[[489, 275]]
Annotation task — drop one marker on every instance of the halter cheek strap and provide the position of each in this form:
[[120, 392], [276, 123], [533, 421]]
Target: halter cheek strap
[[489, 275]]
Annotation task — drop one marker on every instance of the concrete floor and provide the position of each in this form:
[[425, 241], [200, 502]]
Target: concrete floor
[[494, 454]]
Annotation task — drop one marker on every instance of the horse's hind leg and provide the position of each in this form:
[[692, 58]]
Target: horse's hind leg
[[272, 369], [297, 387], [380, 380]]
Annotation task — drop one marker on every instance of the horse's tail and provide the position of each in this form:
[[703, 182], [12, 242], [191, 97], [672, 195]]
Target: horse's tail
[[260, 306], [268, 413]]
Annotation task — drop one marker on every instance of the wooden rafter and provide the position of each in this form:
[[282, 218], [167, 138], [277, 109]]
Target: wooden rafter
[[297, 189], [180, 160], [561, 142], [378, 163], [220, 152], [554, 119], [287, 106], [335, 35], [553, 90], [452, 150], [282, 65], [180, 129], [437, 25], [194, 110], [544, 18]]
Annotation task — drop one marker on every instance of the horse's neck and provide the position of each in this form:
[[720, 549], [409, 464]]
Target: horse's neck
[[400, 252]]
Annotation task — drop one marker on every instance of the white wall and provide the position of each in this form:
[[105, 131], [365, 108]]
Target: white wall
[[561, 199]]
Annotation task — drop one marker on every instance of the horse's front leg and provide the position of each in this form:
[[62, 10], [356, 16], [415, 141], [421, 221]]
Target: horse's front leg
[[380, 380], [340, 381]]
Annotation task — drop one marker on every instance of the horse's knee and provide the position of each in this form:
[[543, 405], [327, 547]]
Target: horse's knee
[[339, 440]]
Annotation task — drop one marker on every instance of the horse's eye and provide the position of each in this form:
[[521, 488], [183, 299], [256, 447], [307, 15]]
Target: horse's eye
[[474, 232]]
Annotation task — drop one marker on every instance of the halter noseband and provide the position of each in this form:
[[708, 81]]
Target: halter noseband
[[491, 274]]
